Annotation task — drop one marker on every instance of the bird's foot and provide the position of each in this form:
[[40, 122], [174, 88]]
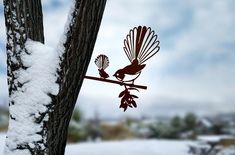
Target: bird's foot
[[122, 83], [132, 82]]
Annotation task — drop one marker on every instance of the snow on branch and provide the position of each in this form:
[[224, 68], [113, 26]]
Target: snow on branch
[[32, 98], [68, 27]]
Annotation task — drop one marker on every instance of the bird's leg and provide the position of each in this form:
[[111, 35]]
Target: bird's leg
[[133, 80], [122, 83]]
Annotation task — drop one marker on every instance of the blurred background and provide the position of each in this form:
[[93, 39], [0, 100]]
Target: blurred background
[[190, 81]]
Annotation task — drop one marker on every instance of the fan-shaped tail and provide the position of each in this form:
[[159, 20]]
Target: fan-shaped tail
[[102, 61], [141, 43]]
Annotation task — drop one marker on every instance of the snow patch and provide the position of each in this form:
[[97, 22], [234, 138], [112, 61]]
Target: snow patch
[[31, 100], [213, 138], [70, 21], [42, 62], [130, 147]]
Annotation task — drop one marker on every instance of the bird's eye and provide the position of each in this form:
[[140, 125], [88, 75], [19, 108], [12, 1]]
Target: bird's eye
[[117, 74]]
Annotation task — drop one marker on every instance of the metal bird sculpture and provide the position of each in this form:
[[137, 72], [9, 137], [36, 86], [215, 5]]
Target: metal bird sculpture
[[102, 62], [140, 45]]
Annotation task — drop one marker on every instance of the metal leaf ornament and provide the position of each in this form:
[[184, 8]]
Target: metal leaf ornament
[[127, 99]]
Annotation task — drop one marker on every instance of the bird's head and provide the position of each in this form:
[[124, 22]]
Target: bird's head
[[119, 75]]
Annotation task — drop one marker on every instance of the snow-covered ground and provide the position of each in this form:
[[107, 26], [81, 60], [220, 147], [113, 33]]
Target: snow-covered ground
[[129, 147], [2, 141]]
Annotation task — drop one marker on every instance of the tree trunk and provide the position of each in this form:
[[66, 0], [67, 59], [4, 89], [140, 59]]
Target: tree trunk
[[79, 45], [23, 19]]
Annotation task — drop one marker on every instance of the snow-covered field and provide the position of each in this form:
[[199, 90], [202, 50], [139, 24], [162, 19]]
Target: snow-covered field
[[129, 147], [2, 141]]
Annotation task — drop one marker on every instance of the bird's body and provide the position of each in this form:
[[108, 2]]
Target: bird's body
[[133, 69], [140, 44], [103, 74]]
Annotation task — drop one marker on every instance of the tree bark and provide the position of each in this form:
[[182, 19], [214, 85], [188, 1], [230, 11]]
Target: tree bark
[[24, 20], [79, 45]]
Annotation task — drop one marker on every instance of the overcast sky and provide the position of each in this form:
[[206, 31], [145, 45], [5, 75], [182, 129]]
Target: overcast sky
[[194, 70]]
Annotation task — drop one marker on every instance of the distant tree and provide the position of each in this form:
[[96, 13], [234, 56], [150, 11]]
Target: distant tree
[[129, 121], [24, 21], [176, 122], [190, 121], [77, 115], [94, 127], [176, 126], [77, 129], [163, 130]]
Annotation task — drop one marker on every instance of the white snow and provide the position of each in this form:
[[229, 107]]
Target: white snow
[[32, 98], [214, 138], [2, 142], [69, 22], [228, 151], [130, 147], [206, 122]]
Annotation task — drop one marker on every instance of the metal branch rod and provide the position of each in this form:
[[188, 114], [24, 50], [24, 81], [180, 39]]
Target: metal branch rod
[[115, 82]]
